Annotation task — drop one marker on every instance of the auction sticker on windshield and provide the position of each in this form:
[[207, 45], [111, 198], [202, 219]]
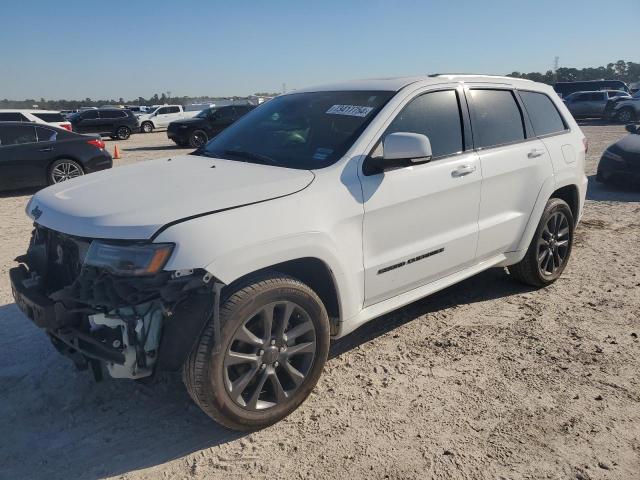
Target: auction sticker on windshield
[[351, 110]]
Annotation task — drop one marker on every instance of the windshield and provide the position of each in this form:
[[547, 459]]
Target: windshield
[[206, 112], [302, 130]]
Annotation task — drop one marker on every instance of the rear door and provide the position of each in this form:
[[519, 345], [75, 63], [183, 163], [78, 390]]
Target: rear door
[[89, 122], [21, 157], [515, 165], [597, 103]]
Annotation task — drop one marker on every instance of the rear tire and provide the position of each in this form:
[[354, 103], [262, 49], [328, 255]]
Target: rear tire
[[62, 170], [264, 369], [146, 127], [198, 138], [626, 115], [550, 248]]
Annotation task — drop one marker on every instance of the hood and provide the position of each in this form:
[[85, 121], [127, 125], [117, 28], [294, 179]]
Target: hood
[[628, 147], [133, 202], [189, 121]]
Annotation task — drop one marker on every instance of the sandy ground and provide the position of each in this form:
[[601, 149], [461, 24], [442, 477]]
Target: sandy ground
[[485, 380]]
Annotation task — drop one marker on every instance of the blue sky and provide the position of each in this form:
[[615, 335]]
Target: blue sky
[[77, 49]]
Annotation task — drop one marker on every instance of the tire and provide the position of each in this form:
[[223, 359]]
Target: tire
[[62, 170], [626, 115], [537, 268], [198, 138], [123, 133], [146, 127], [211, 377]]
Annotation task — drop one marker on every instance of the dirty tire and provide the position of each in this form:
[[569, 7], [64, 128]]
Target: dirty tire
[[528, 270], [203, 372], [146, 127]]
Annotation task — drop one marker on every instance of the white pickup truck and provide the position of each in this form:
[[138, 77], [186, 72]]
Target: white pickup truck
[[162, 116]]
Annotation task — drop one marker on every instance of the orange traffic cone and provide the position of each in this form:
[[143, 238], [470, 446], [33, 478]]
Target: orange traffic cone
[[116, 153]]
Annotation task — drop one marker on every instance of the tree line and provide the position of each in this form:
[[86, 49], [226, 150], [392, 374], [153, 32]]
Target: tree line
[[628, 72]]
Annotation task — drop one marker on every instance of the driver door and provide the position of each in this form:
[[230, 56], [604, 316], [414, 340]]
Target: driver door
[[421, 221]]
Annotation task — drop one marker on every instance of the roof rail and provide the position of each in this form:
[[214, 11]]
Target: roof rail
[[476, 75]]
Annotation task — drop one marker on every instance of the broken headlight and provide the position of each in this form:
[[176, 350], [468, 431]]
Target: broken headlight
[[130, 260]]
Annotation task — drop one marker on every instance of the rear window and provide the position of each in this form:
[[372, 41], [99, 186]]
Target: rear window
[[11, 117], [544, 115], [50, 117], [497, 119], [46, 134]]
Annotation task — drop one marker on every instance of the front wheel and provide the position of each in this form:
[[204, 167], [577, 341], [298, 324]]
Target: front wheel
[[198, 138], [123, 133], [550, 248], [625, 116], [274, 343], [147, 127]]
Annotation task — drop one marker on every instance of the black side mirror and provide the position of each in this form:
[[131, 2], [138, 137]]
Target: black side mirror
[[631, 128]]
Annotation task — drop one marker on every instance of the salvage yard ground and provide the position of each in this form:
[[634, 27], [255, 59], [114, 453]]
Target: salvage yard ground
[[487, 379]]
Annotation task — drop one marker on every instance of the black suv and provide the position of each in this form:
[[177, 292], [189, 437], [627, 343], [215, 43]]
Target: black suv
[[197, 131], [112, 122]]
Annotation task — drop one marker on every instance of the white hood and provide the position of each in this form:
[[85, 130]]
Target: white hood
[[133, 202]]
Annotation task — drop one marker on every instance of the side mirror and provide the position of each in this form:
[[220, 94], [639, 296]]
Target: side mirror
[[631, 128], [401, 147]]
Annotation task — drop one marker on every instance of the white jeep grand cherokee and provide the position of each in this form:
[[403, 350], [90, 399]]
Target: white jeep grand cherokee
[[315, 213]]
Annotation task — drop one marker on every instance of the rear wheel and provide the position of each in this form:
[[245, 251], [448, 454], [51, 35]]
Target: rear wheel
[[274, 343], [147, 127], [123, 133], [550, 248], [198, 138], [64, 169]]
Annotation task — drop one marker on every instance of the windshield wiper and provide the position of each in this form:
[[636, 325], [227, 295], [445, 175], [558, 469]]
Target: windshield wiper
[[254, 157]]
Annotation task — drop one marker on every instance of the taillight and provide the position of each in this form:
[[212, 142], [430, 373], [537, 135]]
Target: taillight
[[66, 126], [96, 143], [585, 142]]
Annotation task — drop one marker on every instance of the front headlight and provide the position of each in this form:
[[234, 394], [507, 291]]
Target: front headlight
[[130, 260]]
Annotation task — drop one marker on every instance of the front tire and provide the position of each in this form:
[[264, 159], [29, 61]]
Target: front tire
[[123, 133], [274, 343], [625, 116], [198, 138], [550, 248], [146, 127]]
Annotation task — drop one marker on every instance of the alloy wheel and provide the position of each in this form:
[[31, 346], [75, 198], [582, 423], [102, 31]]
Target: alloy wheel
[[198, 139], [65, 171], [270, 356], [553, 244]]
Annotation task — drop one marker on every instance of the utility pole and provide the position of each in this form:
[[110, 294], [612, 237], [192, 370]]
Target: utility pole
[[556, 62]]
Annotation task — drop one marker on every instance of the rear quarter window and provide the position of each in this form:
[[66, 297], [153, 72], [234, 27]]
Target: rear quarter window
[[496, 118], [543, 114]]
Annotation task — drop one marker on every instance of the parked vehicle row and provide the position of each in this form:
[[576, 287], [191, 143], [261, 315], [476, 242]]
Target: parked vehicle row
[[308, 217], [195, 132], [592, 104], [34, 154]]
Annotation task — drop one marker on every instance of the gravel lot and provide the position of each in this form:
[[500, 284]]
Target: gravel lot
[[487, 379]]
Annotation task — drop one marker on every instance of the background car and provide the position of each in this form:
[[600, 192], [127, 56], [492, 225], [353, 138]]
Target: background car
[[624, 109], [620, 162], [197, 131], [591, 104], [161, 116], [50, 117], [33, 155], [566, 88], [116, 123]]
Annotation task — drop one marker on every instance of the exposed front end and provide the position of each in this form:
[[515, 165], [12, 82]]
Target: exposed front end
[[111, 303]]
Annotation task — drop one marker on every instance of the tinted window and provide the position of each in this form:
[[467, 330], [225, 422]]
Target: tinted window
[[16, 135], [436, 115], [162, 111], [46, 134], [225, 114], [109, 114], [10, 117], [174, 110], [50, 117], [543, 113], [597, 96], [496, 118], [580, 97], [89, 115]]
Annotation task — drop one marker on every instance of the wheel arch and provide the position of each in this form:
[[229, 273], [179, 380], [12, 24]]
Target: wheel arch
[[569, 193]]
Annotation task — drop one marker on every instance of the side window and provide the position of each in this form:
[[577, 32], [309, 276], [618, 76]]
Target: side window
[[496, 118], [581, 97], [90, 115], [11, 117], [46, 134], [597, 96], [163, 111], [17, 135], [174, 109], [226, 114], [436, 115], [544, 115]]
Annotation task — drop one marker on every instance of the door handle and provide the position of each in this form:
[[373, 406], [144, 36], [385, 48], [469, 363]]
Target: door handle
[[536, 152], [463, 170], [48, 149]]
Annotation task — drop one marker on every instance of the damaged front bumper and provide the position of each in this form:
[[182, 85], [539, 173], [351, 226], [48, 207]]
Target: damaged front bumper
[[132, 325]]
